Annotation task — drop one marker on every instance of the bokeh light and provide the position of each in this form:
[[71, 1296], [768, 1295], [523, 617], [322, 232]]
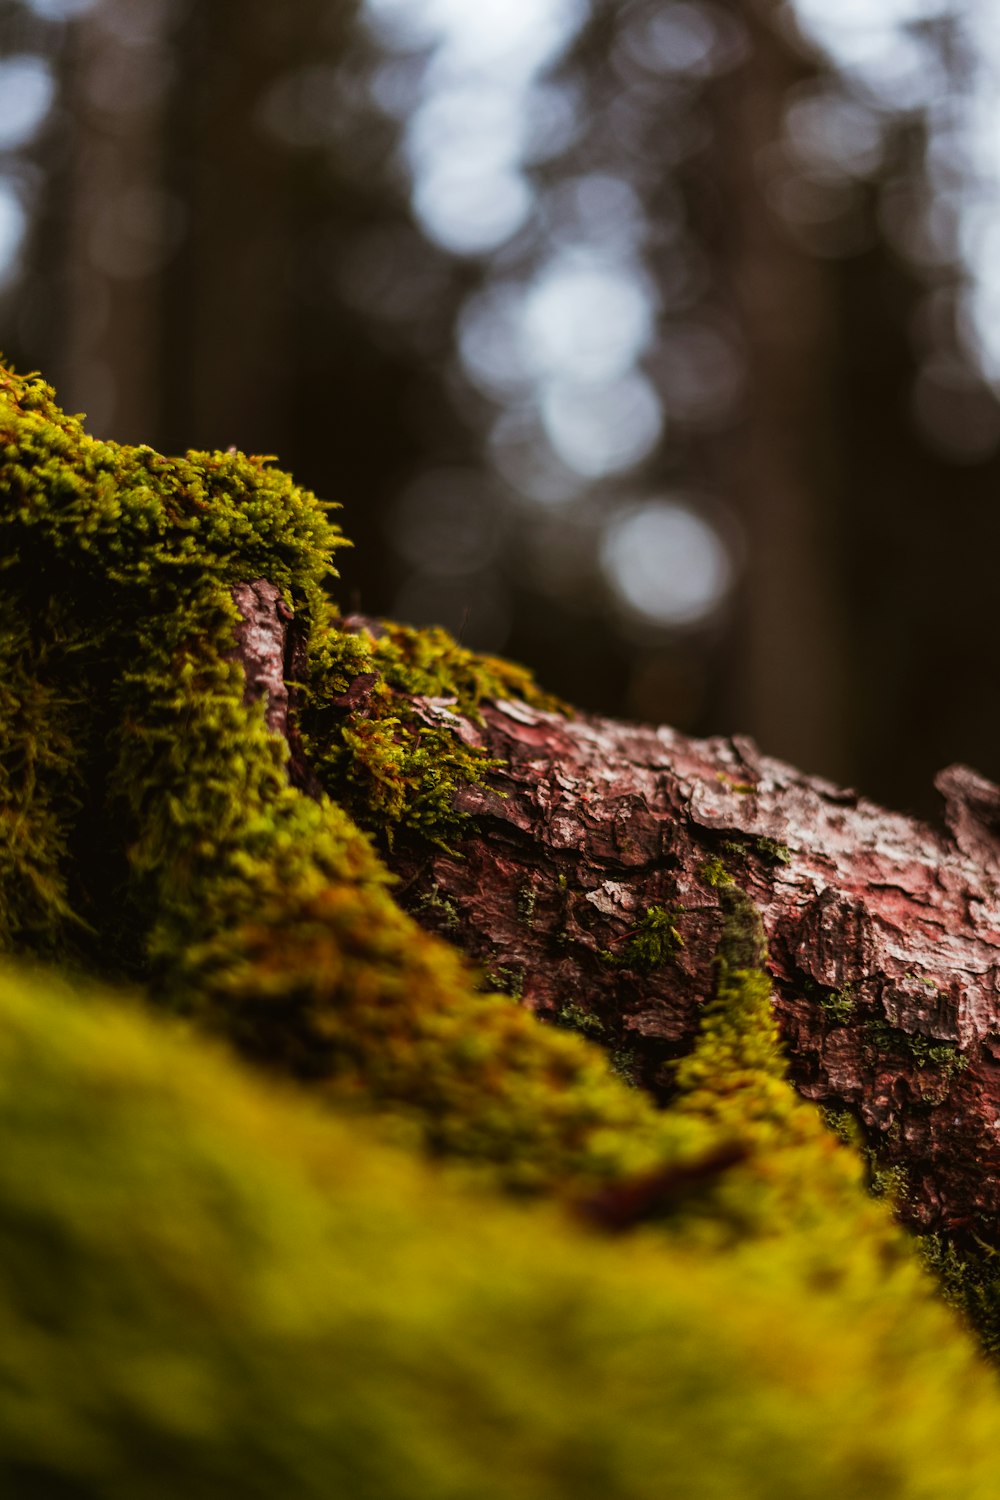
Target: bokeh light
[[602, 428], [13, 224], [27, 90], [667, 563], [468, 208], [61, 10], [481, 111], [587, 321]]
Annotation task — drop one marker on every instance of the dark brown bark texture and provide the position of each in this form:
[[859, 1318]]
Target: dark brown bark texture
[[883, 934]]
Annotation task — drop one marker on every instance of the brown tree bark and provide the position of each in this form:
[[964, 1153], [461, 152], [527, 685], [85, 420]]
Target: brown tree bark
[[883, 932]]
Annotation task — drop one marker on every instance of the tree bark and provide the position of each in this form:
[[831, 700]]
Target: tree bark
[[883, 932]]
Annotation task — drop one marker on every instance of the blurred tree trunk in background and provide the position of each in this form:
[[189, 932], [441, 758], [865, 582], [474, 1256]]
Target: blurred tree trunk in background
[[780, 463], [215, 190], [110, 358], [278, 183], [918, 529], [229, 291], [864, 467]]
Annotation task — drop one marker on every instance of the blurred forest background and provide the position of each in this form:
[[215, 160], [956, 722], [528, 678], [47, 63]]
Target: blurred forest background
[[654, 343]]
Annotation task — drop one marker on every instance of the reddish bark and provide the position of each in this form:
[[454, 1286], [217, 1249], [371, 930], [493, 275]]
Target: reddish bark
[[261, 646], [884, 934], [271, 646]]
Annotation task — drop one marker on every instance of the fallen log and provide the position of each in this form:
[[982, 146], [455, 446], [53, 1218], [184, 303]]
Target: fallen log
[[588, 886]]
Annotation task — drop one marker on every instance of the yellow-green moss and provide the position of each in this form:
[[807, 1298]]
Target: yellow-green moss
[[430, 664], [247, 904], [210, 1289], [771, 851], [714, 873], [388, 767], [651, 943], [839, 1005], [797, 1182], [99, 543], [41, 786]]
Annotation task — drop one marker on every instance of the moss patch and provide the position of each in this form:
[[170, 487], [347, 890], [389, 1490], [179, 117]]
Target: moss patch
[[652, 942], [392, 769], [210, 1288]]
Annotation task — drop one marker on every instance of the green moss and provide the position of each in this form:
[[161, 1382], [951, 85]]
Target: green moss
[[430, 664], [42, 786], [382, 760], [878, 1037], [527, 900], [742, 788], [797, 1178], [211, 1289], [970, 1282], [714, 873], [651, 943], [843, 1124], [771, 851], [944, 1057], [624, 1063], [506, 980], [98, 542], [839, 1005], [891, 1183], [577, 1019], [921, 979], [742, 945], [389, 768], [441, 908]]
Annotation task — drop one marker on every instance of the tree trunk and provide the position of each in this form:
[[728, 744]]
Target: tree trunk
[[778, 466]]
